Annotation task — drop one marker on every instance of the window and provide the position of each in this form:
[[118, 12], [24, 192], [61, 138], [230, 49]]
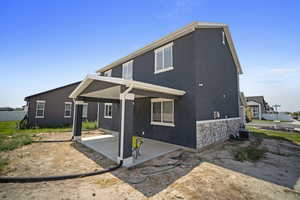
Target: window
[[107, 73], [127, 70], [85, 110], [40, 109], [162, 112], [108, 110], [68, 109], [164, 58]]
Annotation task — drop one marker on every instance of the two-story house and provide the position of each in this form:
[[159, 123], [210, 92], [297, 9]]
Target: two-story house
[[181, 89]]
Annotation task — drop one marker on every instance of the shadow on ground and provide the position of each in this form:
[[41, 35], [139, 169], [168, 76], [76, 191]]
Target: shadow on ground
[[152, 176], [279, 165]]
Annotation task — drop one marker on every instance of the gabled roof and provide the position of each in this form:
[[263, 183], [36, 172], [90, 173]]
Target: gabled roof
[[257, 99], [123, 82], [76, 83], [177, 34]]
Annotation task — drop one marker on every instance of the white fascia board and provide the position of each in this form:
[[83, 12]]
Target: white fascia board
[[128, 83], [86, 82], [138, 85]]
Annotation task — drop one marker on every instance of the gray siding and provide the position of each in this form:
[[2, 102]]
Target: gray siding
[[199, 57], [215, 69], [181, 77], [55, 107]]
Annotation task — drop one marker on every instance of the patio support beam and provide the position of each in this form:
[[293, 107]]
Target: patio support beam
[[77, 120], [127, 112]]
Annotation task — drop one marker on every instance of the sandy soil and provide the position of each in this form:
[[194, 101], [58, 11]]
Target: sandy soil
[[211, 174]]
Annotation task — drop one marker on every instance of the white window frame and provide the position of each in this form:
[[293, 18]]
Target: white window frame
[[36, 108], [161, 100], [124, 66], [107, 116], [87, 110], [66, 116], [161, 49], [107, 73]]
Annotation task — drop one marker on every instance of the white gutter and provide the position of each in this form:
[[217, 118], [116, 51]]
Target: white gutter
[[123, 98]]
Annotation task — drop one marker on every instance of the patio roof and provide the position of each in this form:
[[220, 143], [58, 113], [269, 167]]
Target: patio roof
[[94, 86]]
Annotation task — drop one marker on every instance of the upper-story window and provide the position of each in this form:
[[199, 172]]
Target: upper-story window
[[127, 70], [164, 58], [40, 108], [107, 73]]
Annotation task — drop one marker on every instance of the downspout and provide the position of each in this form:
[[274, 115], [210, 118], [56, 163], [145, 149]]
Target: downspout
[[123, 98]]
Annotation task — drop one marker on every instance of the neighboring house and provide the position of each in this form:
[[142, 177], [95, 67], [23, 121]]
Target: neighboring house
[[243, 107], [6, 109], [258, 106], [181, 89], [54, 108]]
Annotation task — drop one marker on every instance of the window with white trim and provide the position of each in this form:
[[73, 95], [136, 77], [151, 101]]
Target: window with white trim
[[107, 73], [164, 58], [40, 109], [162, 112], [85, 110], [68, 109], [127, 70], [108, 110]]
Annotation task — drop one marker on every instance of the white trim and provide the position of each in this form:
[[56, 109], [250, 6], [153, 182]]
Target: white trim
[[162, 123], [128, 83], [107, 116], [162, 49], [80, 102], [36, 110], [216, 120], [66, 116], [223, 38], [175, 35], [121, 146], [163, 70], [98, 114]]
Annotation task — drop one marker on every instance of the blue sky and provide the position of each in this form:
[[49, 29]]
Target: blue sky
[[46, 44]]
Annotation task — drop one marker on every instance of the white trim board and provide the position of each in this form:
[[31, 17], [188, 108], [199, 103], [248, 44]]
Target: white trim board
[[217, 120], [128, 83]]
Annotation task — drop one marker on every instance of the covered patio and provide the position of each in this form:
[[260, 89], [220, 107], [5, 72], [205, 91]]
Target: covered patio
[[107, 145], [124, 92]]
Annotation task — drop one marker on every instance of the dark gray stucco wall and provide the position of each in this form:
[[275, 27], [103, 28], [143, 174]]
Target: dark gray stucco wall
[[181, 77], [55, 107], [215, 69]]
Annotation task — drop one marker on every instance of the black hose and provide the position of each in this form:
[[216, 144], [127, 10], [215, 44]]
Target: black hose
[[55, 178]]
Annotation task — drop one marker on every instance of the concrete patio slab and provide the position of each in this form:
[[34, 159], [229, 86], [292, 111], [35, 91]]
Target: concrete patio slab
[[107, 145]]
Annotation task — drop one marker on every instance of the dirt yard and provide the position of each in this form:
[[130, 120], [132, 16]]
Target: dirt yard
[[211, 174]]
